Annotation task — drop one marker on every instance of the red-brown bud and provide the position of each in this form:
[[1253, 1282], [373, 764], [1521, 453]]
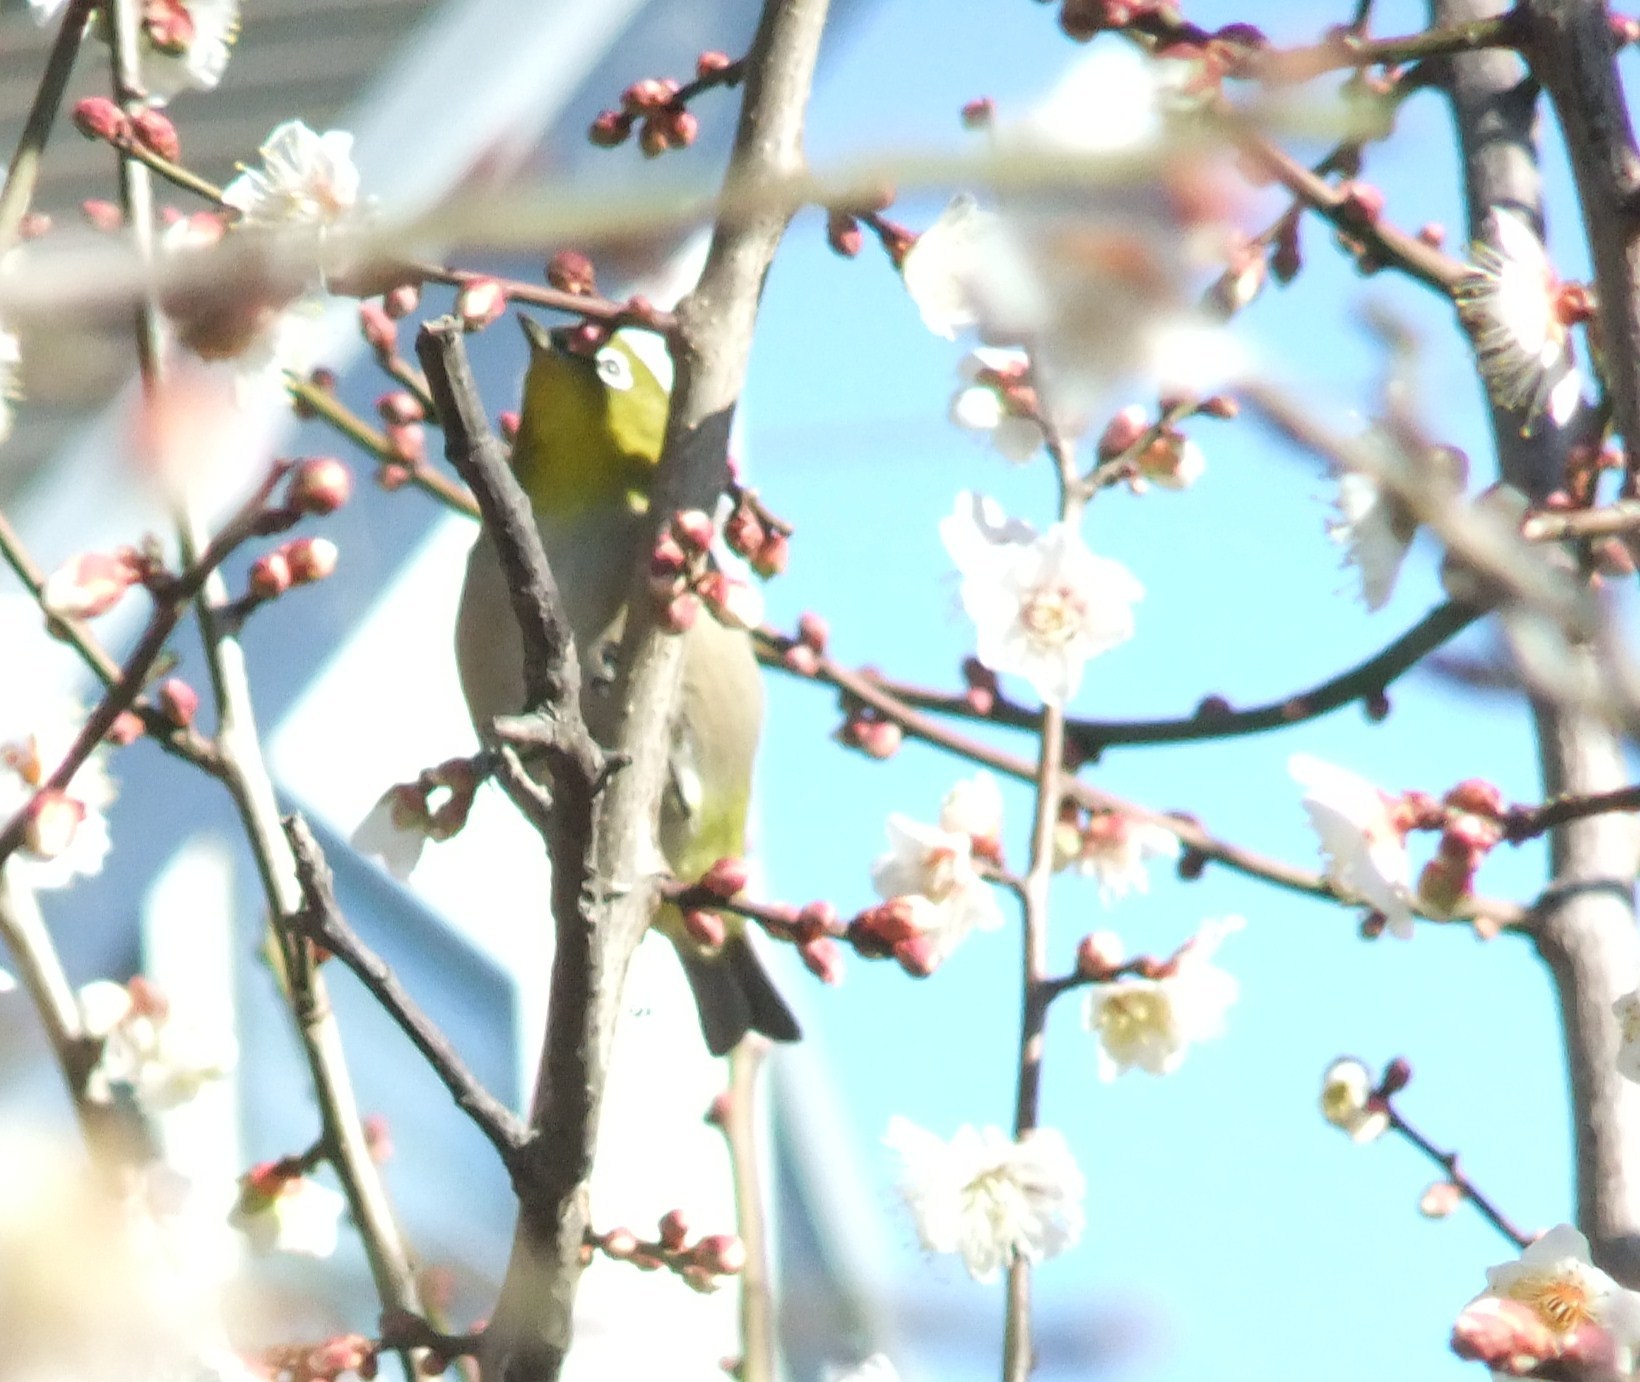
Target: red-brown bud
[[507, 424], [400, 302], [693, 528], [813, 630], [1476, 795], [1098, 954], [668, 560], [380, 331], [726, 878], [408, 442], [1122, 432], [96, 117], [319, 485], [311, 559], [770, 559], [378, 1138], [480, 302], [678, 615], [619, 1243], [178, 701], [610, 129], [674, 1229], [400, 406], [722, 1254], [570, 271], [710, 63], [1397, 1076], [919, 957], [1362, 201], [705, 928], [978, 114], [843, 234], [154, 131], [126, 729], [270, 575], [823, 958]]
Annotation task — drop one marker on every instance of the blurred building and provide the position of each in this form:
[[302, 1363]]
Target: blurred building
[[355, 689]]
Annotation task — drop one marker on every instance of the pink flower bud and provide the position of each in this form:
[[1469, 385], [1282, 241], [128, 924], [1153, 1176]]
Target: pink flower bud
[[891, 922], [813, 630], [1439, 1200], [126, 729], [400, 406], [154, 131], [919, 957], [102, 215], [270, 575], [380, 331], [711, 63], [311, 559], [96, 117], [619, 1243], [1098, 954], [168, 25], [743, 531], [1397, 1076], [319, 485], [843, 234], [878, 739], [378, 1138], [770, 559], [678, 615], [693, 529], [88, 585], [507, 424], [653, 139], [722, 1254], [1123, 431], [674, 1229], [408, 441], [668, 559], [53, 817], [823, 958], [480, 302], [816, 919], [400, 302], [609, 129], [178, 702], [570, 271], [706, 928], [1505, 1333], [726, 878], [978, 114], [1476, 795], [647, 95], [802, 659], [33, 225], [1362, 201], [1443, 885], [718, 1111]]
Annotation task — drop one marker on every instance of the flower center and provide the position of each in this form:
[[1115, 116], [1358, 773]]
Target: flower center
[[939, 868], [1052, 614], [1561, 1302], [1132, 1015]]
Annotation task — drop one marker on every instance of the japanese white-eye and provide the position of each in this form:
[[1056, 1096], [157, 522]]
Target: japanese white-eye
[[590, 434]]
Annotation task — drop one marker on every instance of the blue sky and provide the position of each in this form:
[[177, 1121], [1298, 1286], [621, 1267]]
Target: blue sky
[[1229, 1229]]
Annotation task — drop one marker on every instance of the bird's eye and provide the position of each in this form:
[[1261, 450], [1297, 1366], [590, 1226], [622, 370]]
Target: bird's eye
[[614, 369]]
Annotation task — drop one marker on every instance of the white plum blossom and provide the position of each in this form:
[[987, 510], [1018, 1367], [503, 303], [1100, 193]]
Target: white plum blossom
[[1150, 1024], [940, 268], [1627, 1011], [1510, 302], [1114, 848], [989, 1197], [161, 1058], [932, 868], [281, 1211], [1558, 1281], [1365, 847], [1041, 606], [306, 178], [67, 836], [1375, 530], [1346, 1101], [185, 43], [982, 405], [973, 807], [395, 831]]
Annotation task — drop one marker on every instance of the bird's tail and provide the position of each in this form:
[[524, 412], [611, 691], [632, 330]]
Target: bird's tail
[[735, 995]]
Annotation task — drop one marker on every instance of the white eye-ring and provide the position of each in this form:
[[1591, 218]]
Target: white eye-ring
[[614, 369]]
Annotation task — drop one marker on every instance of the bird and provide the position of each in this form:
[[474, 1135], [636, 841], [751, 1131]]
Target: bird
[[591, 426]]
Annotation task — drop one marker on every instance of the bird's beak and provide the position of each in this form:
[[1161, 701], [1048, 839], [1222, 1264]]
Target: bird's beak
[[538, 336]]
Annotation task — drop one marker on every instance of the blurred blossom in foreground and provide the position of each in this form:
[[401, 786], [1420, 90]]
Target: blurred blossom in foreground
[[1364, 846], [1627, 1011], [1095, 271], [161, 1057], [1114, 848], [988, 1197], [185, 43], [1150, 1024], [67, 833], [1041, 606], [877, 1368], [284, 1211]]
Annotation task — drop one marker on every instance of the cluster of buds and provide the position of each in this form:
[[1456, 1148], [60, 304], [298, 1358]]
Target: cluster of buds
[[1146, 451], [682, 578], [147, 130], [92, 583], [756, 533], [845, 227], [896, 929], [301, 561], [322, 1362], [813, 928], [404, 427], [1470, 819], [702, 1263], [658, 108]]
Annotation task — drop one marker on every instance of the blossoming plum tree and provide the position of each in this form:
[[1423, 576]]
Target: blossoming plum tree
[[1100, 247]]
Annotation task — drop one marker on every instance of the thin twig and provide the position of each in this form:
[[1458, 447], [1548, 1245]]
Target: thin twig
[[740, 1128], [1448, 1162]]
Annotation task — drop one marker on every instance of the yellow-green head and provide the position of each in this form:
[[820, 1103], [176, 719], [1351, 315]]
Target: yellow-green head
[[591, 425]]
